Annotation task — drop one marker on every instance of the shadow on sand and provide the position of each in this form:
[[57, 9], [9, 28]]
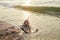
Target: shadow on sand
[[9, 32]]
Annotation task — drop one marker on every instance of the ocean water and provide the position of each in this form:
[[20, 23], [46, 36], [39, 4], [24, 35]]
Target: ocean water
[[48, 25]]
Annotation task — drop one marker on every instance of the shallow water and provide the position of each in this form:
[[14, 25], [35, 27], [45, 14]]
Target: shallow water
[[48, 26]]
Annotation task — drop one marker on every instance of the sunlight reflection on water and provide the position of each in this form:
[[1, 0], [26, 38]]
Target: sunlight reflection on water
[[25, 15], [48, 25]]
